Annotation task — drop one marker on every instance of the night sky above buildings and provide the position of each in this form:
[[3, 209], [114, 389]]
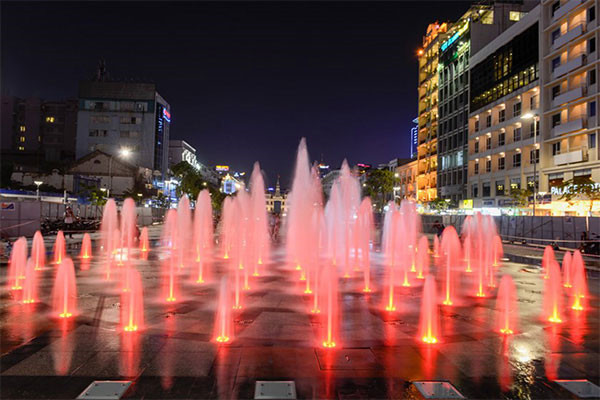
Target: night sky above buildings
[[245, 80]]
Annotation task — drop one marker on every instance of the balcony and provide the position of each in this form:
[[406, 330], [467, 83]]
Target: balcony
[[575, 156], [571, 95], [568, 66], [565, 8], [567, 127], [567, 37]]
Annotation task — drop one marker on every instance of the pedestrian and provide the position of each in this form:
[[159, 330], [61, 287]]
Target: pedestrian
[[438, 227], [69, 219]]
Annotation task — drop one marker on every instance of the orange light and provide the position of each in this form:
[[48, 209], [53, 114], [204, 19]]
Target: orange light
[[447, 302], [315, 311], [390, 308], [367, 290], [237, 307], [170, 299], [256, 274], [222, 339], [420, 52], [200, 280], [65, 315], [131, 328], [429, 339], [308, 291], [329, 344], [506, 331]]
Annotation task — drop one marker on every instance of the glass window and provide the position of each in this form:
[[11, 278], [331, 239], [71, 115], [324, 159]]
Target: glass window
[[477, 146], [477, 126], [592, 77], [475, 189], [488, 165], [555, 35], [515, 15], [515, 183], [555, 91], [488, 142], [517, 109], [555, 120], [591, 13], [530, 183], [501, 138], [486, 189], [502, 115], [555, 7], [517, 134], [592, 45], [516, 160], [555, 63], [501, 163], [555, 148], [534, 156], [476, 168], [499, 188], [592, 141], [592, 108], [488, 121]]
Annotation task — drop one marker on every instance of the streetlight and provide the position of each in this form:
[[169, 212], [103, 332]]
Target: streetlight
[[123, 152], [37, 191], [535, 118]]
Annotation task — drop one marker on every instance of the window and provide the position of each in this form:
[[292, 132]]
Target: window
[[534, 156], [488, 18], [501, 115], [516, 160], [50, 120], [555, 35], [555, 91], [21, 148], [591, 13], [501, 138], [592, 141], [555, 148], [477, 126], [592, 108], [517, 109], [488, 142], [488, 165], [475, 190], [555, 7], [22, 139], [499, 188], [98, 133], [100, 119], [124, 134], [488, 121], [515, 183], [476, 169], [515, 15], [555, 120], [501, 163], [530, 183], [517, 134], [592, 45], [477, 146], [534, 128], [555, 63], [592, 77], [533, 102], [486, 189], [22, 128]]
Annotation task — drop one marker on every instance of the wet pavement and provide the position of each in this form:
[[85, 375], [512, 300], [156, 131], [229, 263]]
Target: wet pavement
[[277, 338]]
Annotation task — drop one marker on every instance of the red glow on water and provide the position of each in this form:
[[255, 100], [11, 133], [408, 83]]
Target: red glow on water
[[38, 251], [64, 292], [566, 268], [17, 264], [60, 249], [423, 258], [506, 306], [30, 286], [553, 295], [144, 240], [429, 319], [547, 259], [86, 246], [330, 315], [450, 259], [579, 292], [132, 302], [223, 330]]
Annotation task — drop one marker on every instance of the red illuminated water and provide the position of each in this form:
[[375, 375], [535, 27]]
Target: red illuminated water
[[429, 319], [497, 250], [436, 246], [30, 285], [17, 264], [579, 291], [553, 294], [203, 234], [144, 241], [450, 257], [60, 249], [132, 302], [128, 229], [389, 239], [259, 230], [170, 262], [86, 247], [108, 226], [364, 233], [330, 313], [422, 258], [467, 252], [566, 269], [547, 259], [38, 251], [64, 292], [506, 307], [223, 330]]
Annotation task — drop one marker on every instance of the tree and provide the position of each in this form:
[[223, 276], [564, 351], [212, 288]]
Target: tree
[[521, 196], [379, 183], [580, 186], [440, 204], [190, 180]]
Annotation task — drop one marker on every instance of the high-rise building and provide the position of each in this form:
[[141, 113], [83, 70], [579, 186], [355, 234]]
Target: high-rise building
[[477, 27], [115, 115], [569, 93], [428, 112], [503, 143]]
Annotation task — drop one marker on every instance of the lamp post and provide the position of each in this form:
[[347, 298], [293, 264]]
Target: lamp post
[[123, 152], [37, 190], [535, 118]]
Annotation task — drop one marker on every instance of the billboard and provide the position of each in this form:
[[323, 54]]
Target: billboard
[[414, 138]]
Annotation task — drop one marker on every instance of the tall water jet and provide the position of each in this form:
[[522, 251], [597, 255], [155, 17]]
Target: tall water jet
[[170, 263], [64, 292], [86, 247], [30, 285], [17, 264], [144, 240], [203, 233], [566, 269], [497, 250], [579, 291], [107, 228], [259, 225], [330, 313], [506, 306], [429, 322], [436, 246], [224, 318], [553, 296], [365, 234], [547, 259], [184, 229], [410, 227], [227, 227], [451, 250], [132, 303], [467, 252], [423, 257], [38, 251], [60, 248], [388, 242], [128, 229]]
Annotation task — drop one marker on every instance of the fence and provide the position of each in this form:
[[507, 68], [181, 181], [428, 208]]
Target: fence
[[565, 231], [19, 218]]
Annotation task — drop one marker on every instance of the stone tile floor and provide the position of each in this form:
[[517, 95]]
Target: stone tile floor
[[276, 338]]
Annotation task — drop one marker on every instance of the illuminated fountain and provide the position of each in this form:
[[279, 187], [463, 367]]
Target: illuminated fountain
[[144, 240], [258, 224], [553, 295], [410, 228], [132, 302], [86, 247], [467, 252], [579, 292], [566, 269], [547, 259], [436, 246], [497, 250], [506, 306], [203, 233], [30, 285], [38, 251], [389, 245], [480, 235], [60, 248], [330, 315], [227, 227], [451, 255], [224, 318], [422, 257], [183, 238], [64, 292], [429, 321], [109, 224], [364, 232], [17, 264], [170, 262]]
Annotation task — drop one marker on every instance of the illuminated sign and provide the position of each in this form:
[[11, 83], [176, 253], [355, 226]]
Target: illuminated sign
[[468, 203], [414, 138], [364, 165], [166, 115], [222, 168], [454, 37], [323, 166], [559, 191]]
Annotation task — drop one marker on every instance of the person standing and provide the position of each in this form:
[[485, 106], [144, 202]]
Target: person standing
[[69, 219]]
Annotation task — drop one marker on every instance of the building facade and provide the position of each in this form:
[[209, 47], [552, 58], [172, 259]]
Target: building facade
[[180, 150], [475, 29], [504, 145], [428, 111], [117, 115], [276, 200], [569, 90], [406, 176]]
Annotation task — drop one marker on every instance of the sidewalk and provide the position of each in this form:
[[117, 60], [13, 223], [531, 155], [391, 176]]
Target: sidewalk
[[529, 254]]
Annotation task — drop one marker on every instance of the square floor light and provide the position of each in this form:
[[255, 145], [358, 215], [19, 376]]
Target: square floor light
[[437, 390], [105, 390], [275, 390], [581, 388]]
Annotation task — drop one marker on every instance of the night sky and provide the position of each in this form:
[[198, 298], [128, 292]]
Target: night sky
[[245, 80]]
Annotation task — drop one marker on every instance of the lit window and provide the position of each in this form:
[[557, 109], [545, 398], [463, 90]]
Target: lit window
[[21, 148], [22, 128], [515, 15], [50, 119], [488, 18], [22, 139]]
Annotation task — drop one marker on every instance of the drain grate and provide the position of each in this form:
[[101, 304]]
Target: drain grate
[[105, 390], [581, 388], [275, 390], [437, 390]]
